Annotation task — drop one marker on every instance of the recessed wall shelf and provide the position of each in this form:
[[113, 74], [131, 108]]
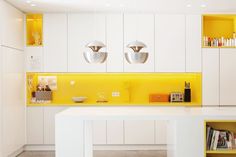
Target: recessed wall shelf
[[34, 29], [220, 125], [219, 31]]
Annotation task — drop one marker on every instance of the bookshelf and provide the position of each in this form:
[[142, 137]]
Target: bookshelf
[[219, 31], [220, 125]]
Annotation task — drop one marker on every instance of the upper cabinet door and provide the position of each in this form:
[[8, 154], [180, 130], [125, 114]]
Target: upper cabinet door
[[12, 26], [170, 43], [114, 31], [139, 27], [227, 77], [82, 29], [55, 43], [210, 77], [193, 43]]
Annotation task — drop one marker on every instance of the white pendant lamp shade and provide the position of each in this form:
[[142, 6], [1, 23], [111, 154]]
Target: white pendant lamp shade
[[95, 56], [136, 57]]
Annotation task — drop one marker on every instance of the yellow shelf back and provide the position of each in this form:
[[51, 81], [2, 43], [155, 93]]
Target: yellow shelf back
[[133, 88]]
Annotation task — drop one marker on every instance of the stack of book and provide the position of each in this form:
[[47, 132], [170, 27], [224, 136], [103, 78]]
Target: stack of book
[[220, 139]]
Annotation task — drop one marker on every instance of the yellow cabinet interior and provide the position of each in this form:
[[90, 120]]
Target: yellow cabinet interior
[[218, 26], [229, 125], [133, 88], [34, 29]]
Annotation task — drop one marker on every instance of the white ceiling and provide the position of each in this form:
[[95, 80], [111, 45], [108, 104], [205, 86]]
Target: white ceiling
[[159, 6]]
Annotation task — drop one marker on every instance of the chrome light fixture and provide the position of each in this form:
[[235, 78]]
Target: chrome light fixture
[[136, 57], [95, 56]]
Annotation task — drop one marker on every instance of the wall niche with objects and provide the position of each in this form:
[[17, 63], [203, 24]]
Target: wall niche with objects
[[219, 31], [34, 29]]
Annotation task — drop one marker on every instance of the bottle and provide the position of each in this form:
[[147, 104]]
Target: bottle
[[187, 92]]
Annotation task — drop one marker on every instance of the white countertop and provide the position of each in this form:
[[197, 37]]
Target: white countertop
[[100, 113]]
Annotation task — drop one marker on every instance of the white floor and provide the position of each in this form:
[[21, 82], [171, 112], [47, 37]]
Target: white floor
[[102, 154]]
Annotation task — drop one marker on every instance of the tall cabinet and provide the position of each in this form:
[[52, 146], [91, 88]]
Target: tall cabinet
[[12, 104], [170, 43], [82, 29], [55, 42]]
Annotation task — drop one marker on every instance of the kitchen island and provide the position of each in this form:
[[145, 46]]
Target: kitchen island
[[186, 127]]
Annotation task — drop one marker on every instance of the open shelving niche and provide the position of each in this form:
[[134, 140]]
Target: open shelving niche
[[217, 26], [220, 125]]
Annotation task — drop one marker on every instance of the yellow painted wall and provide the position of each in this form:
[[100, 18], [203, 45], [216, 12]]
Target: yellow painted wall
[[134, 88]]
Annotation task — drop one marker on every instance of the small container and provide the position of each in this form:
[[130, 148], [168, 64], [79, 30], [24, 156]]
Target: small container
[[43, 95], [187, 92]]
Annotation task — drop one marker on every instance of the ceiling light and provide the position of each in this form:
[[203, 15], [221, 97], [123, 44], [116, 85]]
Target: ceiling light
[[108, 5], [28, 1], [203, 5], [33, 5], [188, 5]]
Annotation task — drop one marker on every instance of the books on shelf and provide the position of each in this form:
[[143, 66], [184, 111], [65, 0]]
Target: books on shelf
[[220, 139]]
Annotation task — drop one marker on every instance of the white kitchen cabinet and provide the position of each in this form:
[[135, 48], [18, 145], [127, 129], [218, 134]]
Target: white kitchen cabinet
[[139, 132], [49, 123], [55, 42], [114, 31], [210, 76], [12, 25], [115, 132], [13, 100], [193, 43], [35, 125], [82, 29], [227, 77], [99, 132], [139, 27], [170, 43], [161, 132], [34, 59]]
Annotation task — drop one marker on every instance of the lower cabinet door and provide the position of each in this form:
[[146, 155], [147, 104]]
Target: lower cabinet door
[[49, 123], [115, 132], [161, 132], [139, 132], [99, 132], [35, 125]]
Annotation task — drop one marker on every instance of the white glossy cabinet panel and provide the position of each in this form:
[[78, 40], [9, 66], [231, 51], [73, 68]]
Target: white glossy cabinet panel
[[161, 132], [193, 43], [12, 26], [227, 77], [55, 42], [114, 31], [210, 77], [115, 132], [82, 29], [35, 125], [170, 43], [13, 100], [99, 132], [139, 27], [49, 123], [34, 59], [139, 132]]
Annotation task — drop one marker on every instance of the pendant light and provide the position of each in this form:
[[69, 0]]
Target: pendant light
[[94, 56], [136, 57]]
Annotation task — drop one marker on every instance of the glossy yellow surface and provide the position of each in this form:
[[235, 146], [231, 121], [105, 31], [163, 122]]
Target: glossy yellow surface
[[134, 88], [34, 25], [217, 26]]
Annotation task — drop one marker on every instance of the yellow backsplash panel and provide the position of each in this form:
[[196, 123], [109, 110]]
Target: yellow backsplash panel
[[134, 88]]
